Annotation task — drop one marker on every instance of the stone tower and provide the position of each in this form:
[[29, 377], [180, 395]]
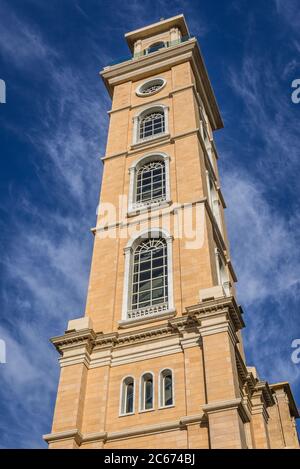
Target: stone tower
[[157, 361]]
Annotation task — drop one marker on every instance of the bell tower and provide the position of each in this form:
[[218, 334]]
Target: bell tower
[[157, 361]]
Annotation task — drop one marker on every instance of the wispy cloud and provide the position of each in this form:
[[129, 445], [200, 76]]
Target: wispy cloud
[[260, 178], [46, 262], [265, 242], [289, 10], [22, 43]]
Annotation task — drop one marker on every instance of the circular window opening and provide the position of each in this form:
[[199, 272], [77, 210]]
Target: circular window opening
[[151, 87]]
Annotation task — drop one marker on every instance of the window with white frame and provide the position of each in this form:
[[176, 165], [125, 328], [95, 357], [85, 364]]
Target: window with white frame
[[150, 123], [166, 388], [152, 86], [127, 396], [148, 279], [150, 274], [223, 279], [146, 392], [213, 200], [149, 182]]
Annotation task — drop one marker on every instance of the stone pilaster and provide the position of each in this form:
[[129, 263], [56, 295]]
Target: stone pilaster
[[75, 348], [219, 320]]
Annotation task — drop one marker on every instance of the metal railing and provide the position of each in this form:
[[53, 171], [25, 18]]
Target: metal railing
[[148, 51]]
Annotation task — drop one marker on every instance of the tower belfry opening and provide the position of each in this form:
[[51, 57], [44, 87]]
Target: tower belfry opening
[[158, 360]]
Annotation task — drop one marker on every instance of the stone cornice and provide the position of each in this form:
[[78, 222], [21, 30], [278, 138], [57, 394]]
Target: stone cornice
[[75, 340], [154, 99], [98, 349], [73, 434], [218, 306], [241, 367], [221, 406], [263, 390]]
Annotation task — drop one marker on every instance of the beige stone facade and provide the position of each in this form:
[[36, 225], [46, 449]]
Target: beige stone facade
[[218, 402]]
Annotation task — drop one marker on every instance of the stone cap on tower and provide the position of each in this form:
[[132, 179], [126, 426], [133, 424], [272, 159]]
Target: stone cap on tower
[[168, 30]]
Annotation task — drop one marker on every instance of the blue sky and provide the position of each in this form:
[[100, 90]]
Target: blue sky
[[52, 132]]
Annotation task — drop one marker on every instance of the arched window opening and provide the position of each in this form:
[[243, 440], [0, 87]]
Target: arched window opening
[[166, 388], [152, 124], [127, 396], [155, 47], [147, 392], [150, 274], [151, 183]]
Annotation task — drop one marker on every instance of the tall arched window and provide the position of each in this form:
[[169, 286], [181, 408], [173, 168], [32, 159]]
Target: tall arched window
[[148, 277], [151, 183], [127, 396], [166, 388], [146, 392], [150, 274], [152, 124]]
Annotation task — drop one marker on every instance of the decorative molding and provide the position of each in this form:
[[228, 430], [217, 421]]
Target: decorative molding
[[74, 340], [114, 155], [97, 436], [73, 434], [168, 313], [210, 308], [220, 406], [181, 424], [179, 333], [139, 90], [149, 144]]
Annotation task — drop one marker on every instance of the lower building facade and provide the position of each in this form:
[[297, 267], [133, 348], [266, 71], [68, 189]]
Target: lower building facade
[[113, 392]]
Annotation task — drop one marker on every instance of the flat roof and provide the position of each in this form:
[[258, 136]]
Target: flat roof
[[157, 28]]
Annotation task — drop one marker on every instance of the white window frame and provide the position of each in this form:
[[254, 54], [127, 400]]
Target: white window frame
[[122, 403], [142, 392], [213, 200], [137, 119], [134, 207], [139, 89], [161, 390], [150, 312], [222, 273]]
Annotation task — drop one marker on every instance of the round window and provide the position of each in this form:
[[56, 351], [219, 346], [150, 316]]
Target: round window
[[151, 87]]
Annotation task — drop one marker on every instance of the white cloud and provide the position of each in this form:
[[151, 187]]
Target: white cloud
[[265, 242], [289, 10], [21, 43], [47, 260]]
